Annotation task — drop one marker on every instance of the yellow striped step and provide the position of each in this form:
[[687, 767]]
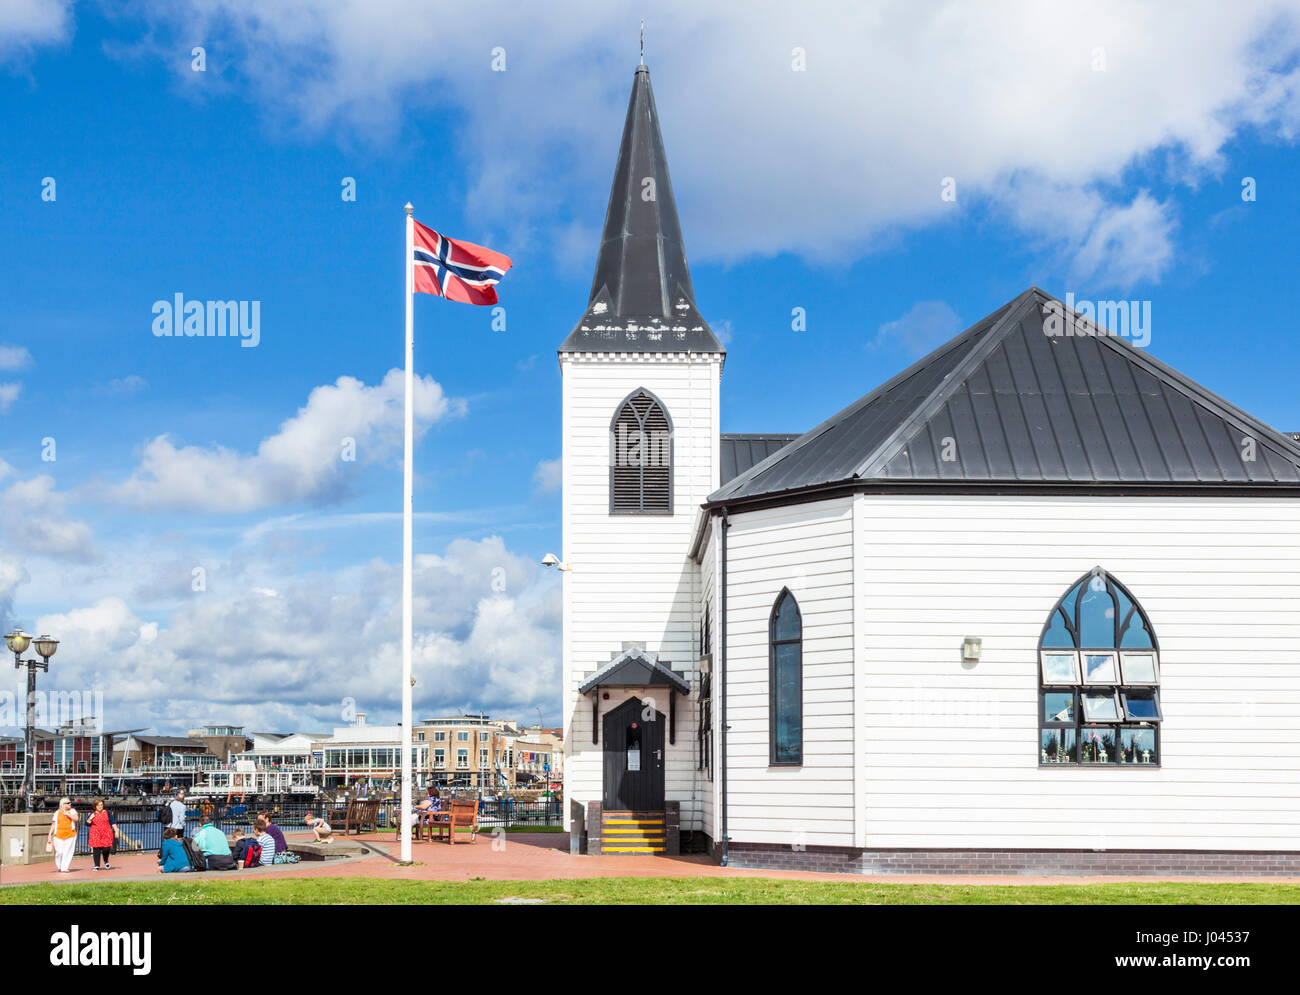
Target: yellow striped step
[[632, 832]]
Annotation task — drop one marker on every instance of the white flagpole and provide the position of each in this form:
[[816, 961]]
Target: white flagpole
[[407, 586]]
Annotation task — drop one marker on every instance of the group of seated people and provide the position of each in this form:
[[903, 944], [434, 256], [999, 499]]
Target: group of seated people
[[264, 846]]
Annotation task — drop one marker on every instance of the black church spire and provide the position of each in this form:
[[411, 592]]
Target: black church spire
[[641, 297]]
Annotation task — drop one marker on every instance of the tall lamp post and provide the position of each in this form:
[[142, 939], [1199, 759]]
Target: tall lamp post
[[18, 641]]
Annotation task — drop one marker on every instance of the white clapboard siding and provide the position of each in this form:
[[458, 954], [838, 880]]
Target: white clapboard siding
[[708, 787], [632, 579], [807, 548], [949, 754]]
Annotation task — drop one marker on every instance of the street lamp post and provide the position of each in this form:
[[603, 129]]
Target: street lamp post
[[18, 641]]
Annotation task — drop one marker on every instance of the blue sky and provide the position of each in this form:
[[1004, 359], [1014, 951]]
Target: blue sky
[[815, 187]]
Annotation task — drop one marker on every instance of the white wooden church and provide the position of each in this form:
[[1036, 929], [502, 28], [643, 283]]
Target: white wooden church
[[1031, 605]]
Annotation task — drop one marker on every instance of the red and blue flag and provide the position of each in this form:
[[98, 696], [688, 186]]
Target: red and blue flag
[[454, 269]]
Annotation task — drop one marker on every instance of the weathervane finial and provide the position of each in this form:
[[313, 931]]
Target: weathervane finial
[[643, 41]]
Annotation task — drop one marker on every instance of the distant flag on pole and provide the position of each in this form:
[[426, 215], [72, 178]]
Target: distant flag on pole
[[456, 270]]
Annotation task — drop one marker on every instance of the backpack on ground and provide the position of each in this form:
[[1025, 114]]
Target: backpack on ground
[[198, 862], [221, 862]]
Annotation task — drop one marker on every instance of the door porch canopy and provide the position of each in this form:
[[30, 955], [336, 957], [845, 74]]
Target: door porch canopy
[[635, 667]]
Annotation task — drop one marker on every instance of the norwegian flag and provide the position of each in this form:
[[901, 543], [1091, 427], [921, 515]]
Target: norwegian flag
[[456, 270]]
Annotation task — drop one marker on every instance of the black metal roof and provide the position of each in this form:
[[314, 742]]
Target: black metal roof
[[738, 452], [1007, 402], [171, 742], [641, 296], [636, 668]]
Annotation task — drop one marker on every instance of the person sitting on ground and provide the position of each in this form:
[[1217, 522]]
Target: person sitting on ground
[[266, 841], [276, 832], [212, 841], [321, 828], [172, 858], [243, 844]]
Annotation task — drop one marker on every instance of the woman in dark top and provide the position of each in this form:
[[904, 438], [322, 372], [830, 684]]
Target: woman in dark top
[[275, 832]]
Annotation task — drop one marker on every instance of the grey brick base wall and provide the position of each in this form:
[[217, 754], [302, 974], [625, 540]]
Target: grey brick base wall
[[1115, 863], [593, 827], [672, 828], [577, 828]]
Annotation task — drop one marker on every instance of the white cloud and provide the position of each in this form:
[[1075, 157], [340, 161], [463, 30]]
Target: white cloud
[[34, 519], [487, 632], [549, 476], [306, 460], [25, 24], [12, 575], [1113, 243], [14, 357], [927, 325], [125, 386], [1003, 98]]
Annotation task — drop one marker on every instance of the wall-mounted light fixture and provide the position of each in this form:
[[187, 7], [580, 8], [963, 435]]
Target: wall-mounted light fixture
[[970, 649]]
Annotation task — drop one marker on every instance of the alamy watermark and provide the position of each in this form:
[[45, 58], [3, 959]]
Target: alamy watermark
[[1127, 319], [198, 319], [83, 710], [639, 448]]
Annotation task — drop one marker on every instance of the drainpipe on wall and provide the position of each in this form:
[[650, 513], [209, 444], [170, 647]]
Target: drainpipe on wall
[[722, 680]]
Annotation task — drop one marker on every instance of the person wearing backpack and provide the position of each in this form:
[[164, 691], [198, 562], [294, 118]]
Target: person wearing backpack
[[176, 811], [248, 852]]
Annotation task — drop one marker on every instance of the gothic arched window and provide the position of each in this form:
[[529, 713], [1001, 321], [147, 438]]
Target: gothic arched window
[[641, 457], [785, 682], [1099, 678]]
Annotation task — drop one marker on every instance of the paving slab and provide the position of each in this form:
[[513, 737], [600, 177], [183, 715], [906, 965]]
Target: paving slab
[[532, 857]]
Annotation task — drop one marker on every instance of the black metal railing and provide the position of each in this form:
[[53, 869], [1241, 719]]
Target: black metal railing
[[141, 826]]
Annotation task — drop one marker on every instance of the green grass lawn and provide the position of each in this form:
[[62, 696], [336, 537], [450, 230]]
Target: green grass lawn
[[653, 891]]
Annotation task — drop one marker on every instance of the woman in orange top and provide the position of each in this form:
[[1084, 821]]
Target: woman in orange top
[[63, 834]]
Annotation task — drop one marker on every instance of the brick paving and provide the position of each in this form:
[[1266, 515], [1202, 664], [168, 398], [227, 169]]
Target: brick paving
[[539, 857]]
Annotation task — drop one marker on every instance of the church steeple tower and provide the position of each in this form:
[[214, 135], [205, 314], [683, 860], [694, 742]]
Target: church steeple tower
[[642, 299]]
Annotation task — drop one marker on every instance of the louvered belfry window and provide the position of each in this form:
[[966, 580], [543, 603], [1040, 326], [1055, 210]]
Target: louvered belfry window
[[641, 457]]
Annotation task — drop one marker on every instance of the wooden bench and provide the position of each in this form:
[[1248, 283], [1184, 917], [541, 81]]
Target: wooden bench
[[363, 815], [458, 815]]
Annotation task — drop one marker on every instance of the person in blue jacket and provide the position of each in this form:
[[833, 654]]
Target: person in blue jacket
[[172, 858]]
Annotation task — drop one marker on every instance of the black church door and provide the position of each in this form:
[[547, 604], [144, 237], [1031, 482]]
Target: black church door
[[634, 758]]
